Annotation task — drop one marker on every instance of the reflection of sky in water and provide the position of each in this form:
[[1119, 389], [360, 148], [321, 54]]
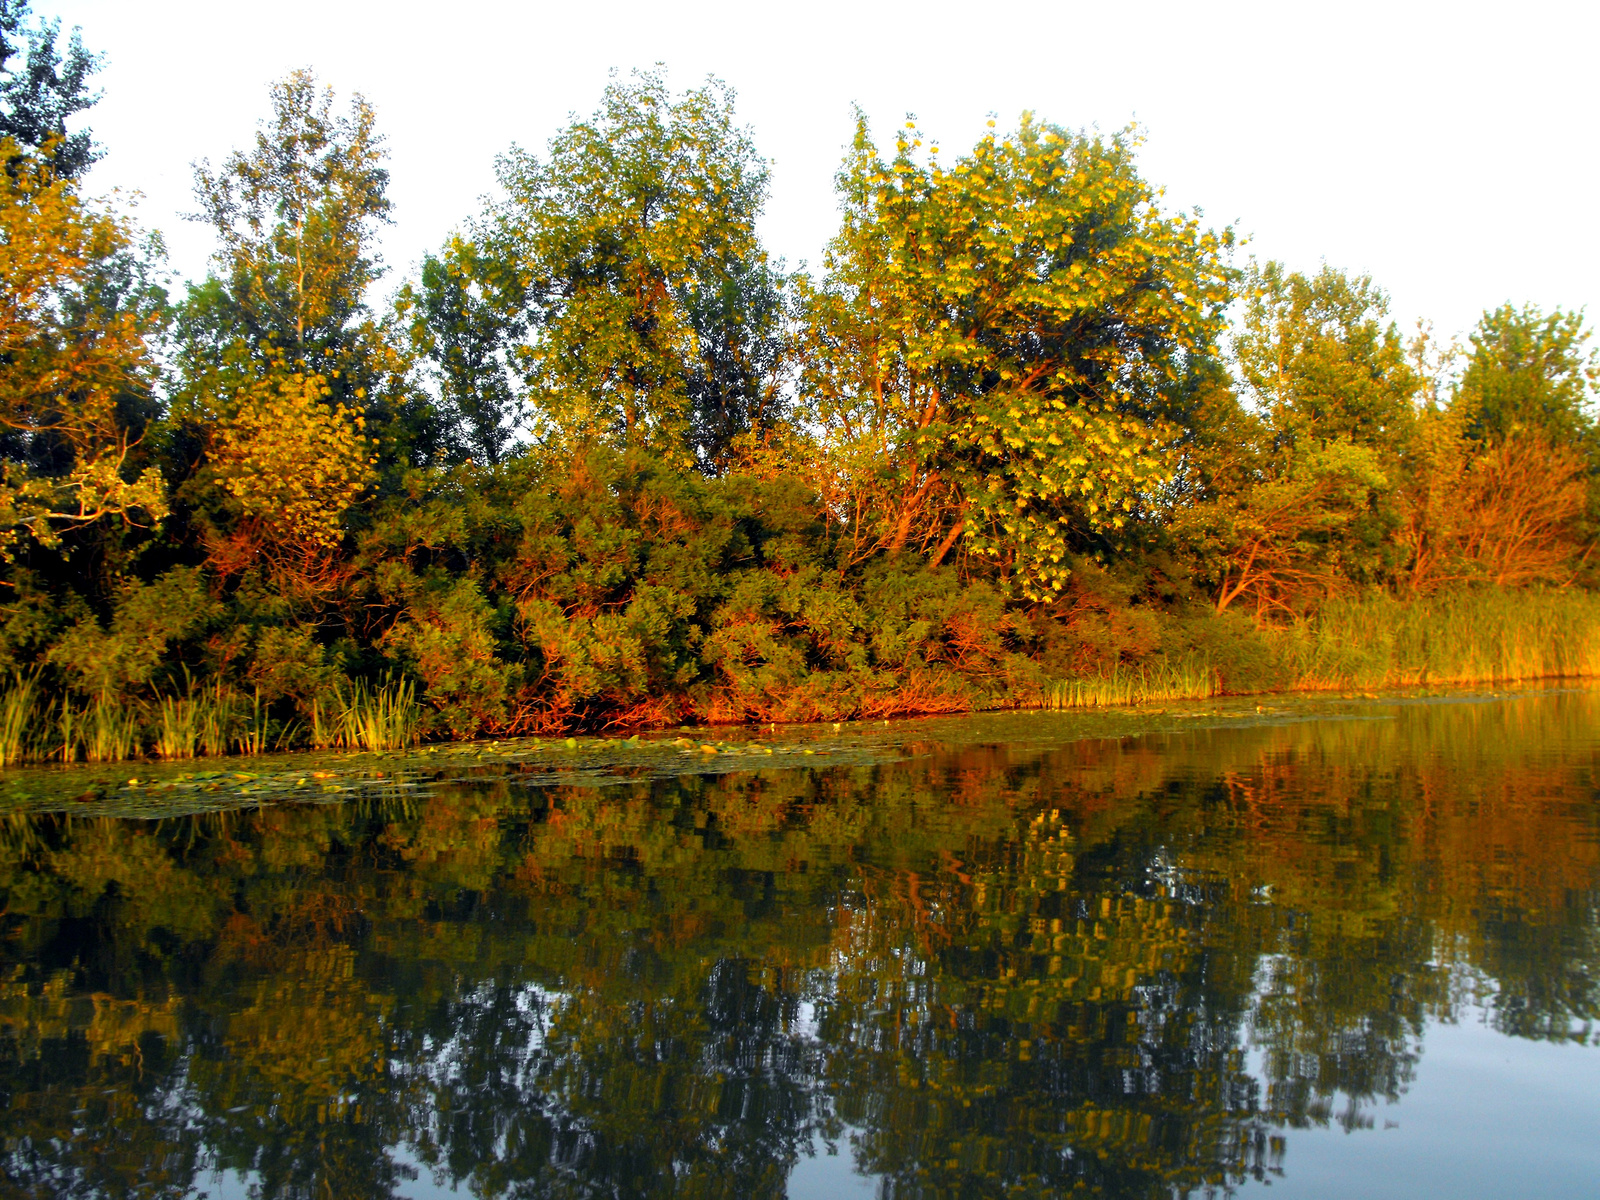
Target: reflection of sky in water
[[823, 1175], [1485, 1116]]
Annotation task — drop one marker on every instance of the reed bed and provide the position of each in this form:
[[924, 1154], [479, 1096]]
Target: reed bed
[[1185, 678], [198, 722], [1484, 636], [1376, 641]]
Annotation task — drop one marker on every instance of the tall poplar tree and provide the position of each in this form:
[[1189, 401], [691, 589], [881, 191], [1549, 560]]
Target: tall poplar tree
[[296, 219], [284, 366], [648, 302]]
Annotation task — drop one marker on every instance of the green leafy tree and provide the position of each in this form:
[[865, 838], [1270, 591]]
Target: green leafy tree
[[1278, 536], [1319, 359], [1499, 482], [1530, 370], [464, 330], [1299, 506], [641, 277], [737, 385]]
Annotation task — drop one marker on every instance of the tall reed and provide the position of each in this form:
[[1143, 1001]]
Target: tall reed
[[104, 730], [66, 731], [18, 717], [253, 728], [215, 734], [324, 721], [178, 721], [213, 721], [210, 721]]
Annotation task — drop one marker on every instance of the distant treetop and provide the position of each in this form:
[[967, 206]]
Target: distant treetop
[[40, 93]]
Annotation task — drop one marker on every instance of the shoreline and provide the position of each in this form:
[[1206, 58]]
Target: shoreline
[[155, 788]]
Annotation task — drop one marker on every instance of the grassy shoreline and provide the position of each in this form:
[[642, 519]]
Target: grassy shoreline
[[155, 788], [1365, 644], [1377, 643]]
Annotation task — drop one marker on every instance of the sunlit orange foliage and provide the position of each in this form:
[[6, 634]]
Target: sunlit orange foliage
[[1505, 513]]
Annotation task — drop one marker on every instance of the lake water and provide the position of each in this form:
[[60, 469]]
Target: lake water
[[1327, 949]]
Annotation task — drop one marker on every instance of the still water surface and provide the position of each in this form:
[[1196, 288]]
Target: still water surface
[[1348, 954]]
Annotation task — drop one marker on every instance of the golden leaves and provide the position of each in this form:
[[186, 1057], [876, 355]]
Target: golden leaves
[[294, 462], [66, 360]]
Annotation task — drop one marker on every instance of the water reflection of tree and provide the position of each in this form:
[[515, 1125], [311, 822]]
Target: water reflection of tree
[[1113, 967]]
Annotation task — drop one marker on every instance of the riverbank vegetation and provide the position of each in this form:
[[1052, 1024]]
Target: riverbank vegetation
[[1022, 437]]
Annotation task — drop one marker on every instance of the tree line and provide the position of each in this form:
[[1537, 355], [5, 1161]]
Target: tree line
[[600, 459]]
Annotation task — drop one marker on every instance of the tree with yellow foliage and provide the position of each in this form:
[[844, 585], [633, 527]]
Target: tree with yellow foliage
[[294, 462]]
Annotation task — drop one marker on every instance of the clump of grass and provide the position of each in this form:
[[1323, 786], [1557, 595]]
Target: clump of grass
[[104, 730], [382, 716], [1186, 678], [178, 721]]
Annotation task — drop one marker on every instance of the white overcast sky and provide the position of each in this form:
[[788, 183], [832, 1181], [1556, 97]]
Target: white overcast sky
[[1448, 149]]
